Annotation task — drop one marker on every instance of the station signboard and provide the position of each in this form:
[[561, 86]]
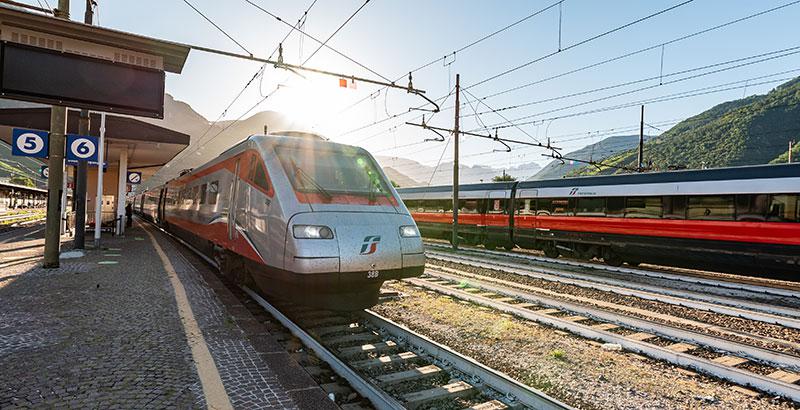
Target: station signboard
[[81, 147], [134, 177], [51, 77], [29, 143]]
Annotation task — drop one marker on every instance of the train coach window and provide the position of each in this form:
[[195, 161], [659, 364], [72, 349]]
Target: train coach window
[[213, 192], [615, 206], [497, 206], [260, 177], [591, 207], [559, 206], [203, 190], [752, 207], [711, 207], [469, 206], [784, 208], [674, 207], [643, 207], [526, 206]]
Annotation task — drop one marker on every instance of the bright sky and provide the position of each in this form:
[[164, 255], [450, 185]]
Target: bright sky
[[393, 37]]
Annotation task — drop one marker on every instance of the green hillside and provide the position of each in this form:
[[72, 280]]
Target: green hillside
[[19, 170], [749, 131]]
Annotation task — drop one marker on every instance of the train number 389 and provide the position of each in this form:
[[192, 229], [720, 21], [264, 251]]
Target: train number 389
[[372, 274]]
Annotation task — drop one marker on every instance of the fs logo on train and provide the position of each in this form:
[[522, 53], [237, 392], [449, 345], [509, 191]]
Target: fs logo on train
[[370, 245]]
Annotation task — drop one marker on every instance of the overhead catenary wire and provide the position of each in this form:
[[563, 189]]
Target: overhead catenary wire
[[459, 50], [260, 71], [572, 46], [670, 97], [221, 30], [645, 49], [763, 57], [579, 43], [295, 28], [620, 57]]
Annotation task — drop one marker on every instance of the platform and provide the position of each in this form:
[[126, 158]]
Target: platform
[[139, 323]]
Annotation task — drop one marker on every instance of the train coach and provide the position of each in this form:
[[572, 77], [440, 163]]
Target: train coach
[[300, 217], [739, 220]]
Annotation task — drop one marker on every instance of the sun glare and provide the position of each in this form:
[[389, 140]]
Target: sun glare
[[311, 100]]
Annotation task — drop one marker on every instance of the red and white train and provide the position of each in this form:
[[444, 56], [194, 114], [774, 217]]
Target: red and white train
[[302, 217], [742, 220]]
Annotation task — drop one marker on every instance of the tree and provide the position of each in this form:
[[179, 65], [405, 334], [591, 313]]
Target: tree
[[20, 180], [503, 178]]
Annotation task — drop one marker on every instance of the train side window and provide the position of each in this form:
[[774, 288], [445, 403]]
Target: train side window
[[496, 206], [643, 207], [469, 206], [784, 208], [562, 206], [674, 207], [213, 192], [752, 208], [203, 191], [711, 207], [526, 206], [260, 177], [615, 206], [591, 207]]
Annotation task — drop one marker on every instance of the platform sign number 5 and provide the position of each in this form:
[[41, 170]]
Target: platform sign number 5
[[81, 147], [29, 143]]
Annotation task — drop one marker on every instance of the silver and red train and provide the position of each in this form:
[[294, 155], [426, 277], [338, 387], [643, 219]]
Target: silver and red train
[[741, 220], [301, 217]]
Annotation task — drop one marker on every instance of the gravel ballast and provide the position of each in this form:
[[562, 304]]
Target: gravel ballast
[[575, 370]]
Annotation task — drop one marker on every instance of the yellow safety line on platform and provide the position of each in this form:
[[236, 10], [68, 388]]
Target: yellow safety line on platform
[[216, 396]]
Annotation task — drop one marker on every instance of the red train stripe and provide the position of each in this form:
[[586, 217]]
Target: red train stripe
[[755, 232]]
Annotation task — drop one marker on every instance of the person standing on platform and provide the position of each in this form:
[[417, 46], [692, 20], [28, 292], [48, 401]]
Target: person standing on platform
[[129, 215]]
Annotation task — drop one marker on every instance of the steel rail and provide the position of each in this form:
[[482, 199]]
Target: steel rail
[[732, 374], [379, 399], [498, 381], [729, 306], [659, 329], [768, 290]]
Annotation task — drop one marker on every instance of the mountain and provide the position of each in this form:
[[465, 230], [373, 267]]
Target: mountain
[[593, 152], [416, 174], [749, 131]]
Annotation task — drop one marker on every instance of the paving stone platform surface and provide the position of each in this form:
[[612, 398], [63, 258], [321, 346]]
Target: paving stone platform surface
[[103, 331]]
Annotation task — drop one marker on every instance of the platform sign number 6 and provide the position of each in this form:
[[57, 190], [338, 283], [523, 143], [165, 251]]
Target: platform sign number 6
[[81, 147], [29, 143]]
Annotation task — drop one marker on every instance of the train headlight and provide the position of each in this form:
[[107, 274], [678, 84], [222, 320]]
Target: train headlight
[[409, 231], [312, 232]]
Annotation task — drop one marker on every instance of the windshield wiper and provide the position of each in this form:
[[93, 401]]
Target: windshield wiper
[[300, 172]]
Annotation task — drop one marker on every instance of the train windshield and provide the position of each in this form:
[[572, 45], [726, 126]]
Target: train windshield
[[335, 171]]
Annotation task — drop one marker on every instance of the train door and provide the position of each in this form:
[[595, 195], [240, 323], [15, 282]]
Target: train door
[[233, 213], [162, 201], [259, 207]]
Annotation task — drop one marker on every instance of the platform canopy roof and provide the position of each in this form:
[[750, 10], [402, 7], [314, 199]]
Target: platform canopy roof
[[173, 54], [148, 145]]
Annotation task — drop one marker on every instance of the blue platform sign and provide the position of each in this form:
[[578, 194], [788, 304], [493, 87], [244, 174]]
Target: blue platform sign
[[29, 143], [44, 171], [81, 147], [134, 177]]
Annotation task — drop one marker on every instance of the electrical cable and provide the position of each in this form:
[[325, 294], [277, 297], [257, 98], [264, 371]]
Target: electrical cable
[[218, 27], [580, 43], [317, 40]]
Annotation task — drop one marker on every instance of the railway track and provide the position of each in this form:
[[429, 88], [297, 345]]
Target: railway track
[[744, 364], [742, 306], [769, 291], [392, 366]]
